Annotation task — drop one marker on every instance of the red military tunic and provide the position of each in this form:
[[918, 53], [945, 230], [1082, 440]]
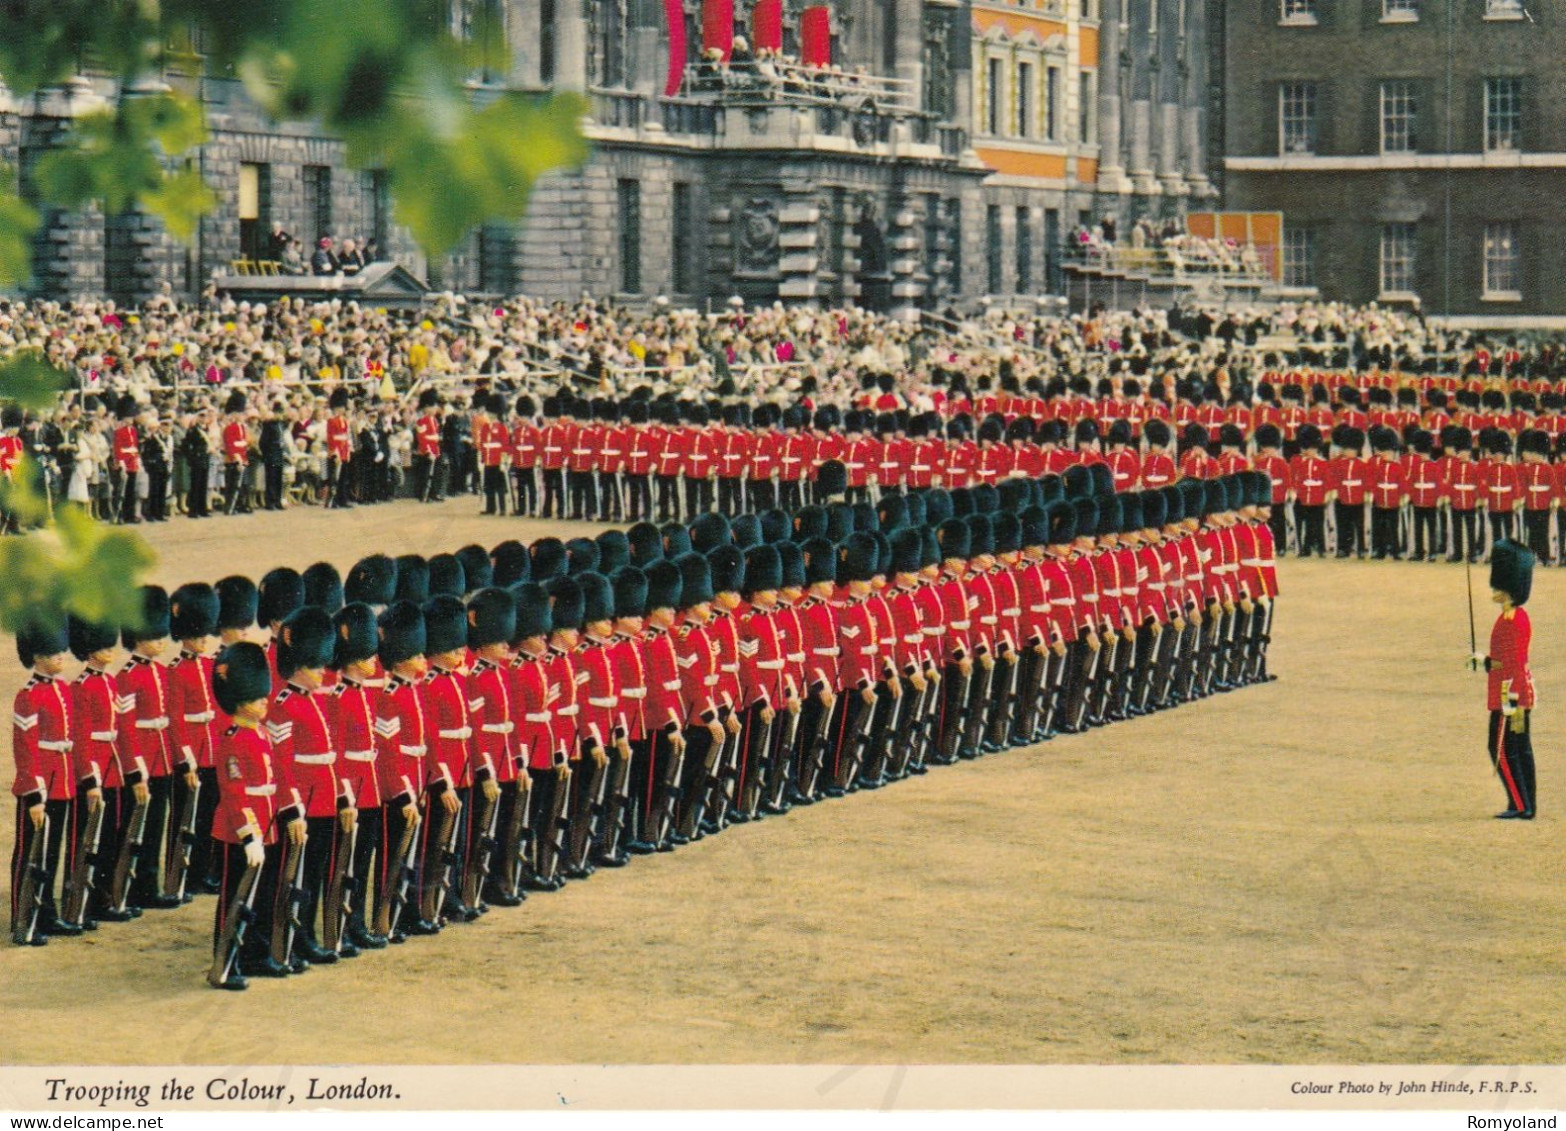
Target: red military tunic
[[426, 436], [533, 739], [96, 702], [1349, 476], [401, 743], [565, 678], [696, 654], [1509, 641], [630, 672], [339, 441], [192, 711], [1388, 482], [302, 744], [493, 723], [42, 734], [353, 718], [247, 787], [1499, 485], [449, 728], [861, 664], [127, 449], [142, 687], [1537, 486]]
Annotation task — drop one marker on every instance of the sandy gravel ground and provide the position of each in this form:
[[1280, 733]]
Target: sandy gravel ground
[[1302, 872]]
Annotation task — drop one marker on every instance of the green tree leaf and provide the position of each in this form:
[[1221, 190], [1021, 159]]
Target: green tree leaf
[[30, 381], [180, 201], [18, 222]]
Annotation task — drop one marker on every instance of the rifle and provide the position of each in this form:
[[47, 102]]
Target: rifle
[[340, 886], [909, 716], [726, 775], [391, 907], [924, 733], [1000, 709], [241, 913], [782, 758], [1034, 702], [816, 748], [584, 826], [130, 848], [979, 686], [1079, 711], [78, 886], [182, 841], [476, 868], [446, 844], [518, 836], [951, 734], [34, 886], [553, 850], [863, 723], [668, 797], [285, 917], [1053, 694], [621, 803], [712, 770]]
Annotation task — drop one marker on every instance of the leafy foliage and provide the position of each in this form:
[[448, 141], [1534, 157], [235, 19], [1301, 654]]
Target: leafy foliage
[[386, 76], [29, 380], [75, 566]]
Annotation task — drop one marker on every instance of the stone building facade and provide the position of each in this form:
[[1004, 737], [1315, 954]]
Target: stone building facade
[[1414, 147]]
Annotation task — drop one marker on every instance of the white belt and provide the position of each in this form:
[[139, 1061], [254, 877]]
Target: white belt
[[1061, 601], [1011, 612], [260, 790], [326, 759], [203, 717], [934, 631], [671, 685], [1466, 486], [1312, 483], [568, 712], [359, 755], [1044, 608], [770, 665], [919, 467], [1539, 487], [104, 735], [455, 735], [1255, 563], [601, 702], [499, 728], [989, 620], [1090, 598], [537, 716], [709, 681], [413, 751], [916, 638], [1109, 592], [828, 651], [1193, 578], [1158, 586], [61, 747], [869, 650], [159, 723], [961, 625], [634, 692], [796, 657], [731, 668], [1352, 482]]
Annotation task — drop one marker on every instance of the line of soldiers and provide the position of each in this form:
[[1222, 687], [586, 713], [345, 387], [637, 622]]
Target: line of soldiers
[[430, 738]]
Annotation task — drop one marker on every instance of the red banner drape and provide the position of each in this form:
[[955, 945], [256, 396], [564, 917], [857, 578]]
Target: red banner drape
[[674, 17], [717, 26], [767, 26], [815, 37]]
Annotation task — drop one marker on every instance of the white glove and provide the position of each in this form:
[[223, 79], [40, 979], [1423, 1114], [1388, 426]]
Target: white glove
[[1476, 661], [255, 854]]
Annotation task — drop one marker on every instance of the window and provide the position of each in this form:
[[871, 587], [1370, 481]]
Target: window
[[1501, 276], [1086, 108], [992, 226], [992, 96], [380, 210], [318, 200], [630, 195], [1298, 12], [546, 41], [1399, 107], [1052, 250], [1052, 103], [954, 251], [1504, 10], [255, 229], [684, 244], [1024, 99], [497, 259], [1299, 257], [1297, 117], [1502, 115], [1024, 251], [1397, 259], [1399, 11]]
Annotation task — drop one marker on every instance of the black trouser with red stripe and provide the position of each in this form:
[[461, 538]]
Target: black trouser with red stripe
[[1500, 525], [494, 490], [204, 852], [58, 814], [1384, 532], [1465, 533], [437, 865], [1536, 525], [1511, 753], [320, 860], [1425, 535], [148, 878], [366, 852], [388, 871]]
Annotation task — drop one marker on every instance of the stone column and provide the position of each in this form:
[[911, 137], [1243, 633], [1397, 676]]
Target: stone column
[[1111, 172], [1194, 111], [570, 45], [1171, 35], [908, 48], [649, 57], [1140, 42]]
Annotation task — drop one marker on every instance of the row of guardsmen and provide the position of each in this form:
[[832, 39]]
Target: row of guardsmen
[[424, 743]]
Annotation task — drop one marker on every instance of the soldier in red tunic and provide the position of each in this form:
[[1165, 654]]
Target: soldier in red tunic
[[492, 615], [125, 467], [353, 718], [401, 744], [43, 732], [143, 690], [193, 621], [244, 825], [1537, 482], [447, 780], [1510, 691]]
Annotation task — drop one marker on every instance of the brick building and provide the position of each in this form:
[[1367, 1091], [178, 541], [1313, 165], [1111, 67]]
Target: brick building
[[1415, 147]]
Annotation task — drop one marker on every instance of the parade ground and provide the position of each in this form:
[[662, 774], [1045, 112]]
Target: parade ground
[[1302, 872]]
